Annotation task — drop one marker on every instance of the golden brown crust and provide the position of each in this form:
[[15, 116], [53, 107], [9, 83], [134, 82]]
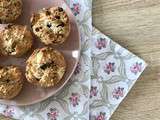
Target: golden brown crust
[[45, 67], [51, 25], [10, 82], [15, 40], [10, 10]]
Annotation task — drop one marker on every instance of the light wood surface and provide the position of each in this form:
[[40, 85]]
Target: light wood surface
[[135, 24]]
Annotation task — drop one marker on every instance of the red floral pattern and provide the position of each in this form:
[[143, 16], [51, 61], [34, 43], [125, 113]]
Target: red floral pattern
[[101, 116], [118, 92], [8, 111], [74, 99], [101, 43], [76, 9], [52, 114], [109, 67], [93, 91], [137, 67], [78, 69]]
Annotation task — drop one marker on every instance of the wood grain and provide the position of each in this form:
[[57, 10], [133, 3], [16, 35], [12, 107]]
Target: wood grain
[[135, 24]]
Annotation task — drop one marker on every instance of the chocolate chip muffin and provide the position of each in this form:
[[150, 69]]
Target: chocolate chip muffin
[[10, 82], [45, 67], [15, 40], [51, 25], [10, 10]]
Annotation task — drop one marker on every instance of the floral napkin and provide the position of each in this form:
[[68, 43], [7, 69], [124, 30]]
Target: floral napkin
[[114, 72], [104, 75]]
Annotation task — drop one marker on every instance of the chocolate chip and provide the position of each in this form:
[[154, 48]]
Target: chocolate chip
[[57, 17], [54, 77], [60, 9], [48, 13], [6, 68], [51, 35], [49, 25], [9, 25], [13, 45], [37, 29], [40, 28], [62, 25], [61, 35], [7, 80], [47, 65], [54, 41], [12, 50], [37, 79], [17, 4], [47, 32]]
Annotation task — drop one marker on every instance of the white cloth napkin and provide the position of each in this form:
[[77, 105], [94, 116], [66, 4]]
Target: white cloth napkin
[[105, 74]]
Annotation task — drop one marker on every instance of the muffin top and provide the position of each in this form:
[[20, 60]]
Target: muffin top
[[15, 40], [10, 82], [45, 67], [51, 25], [10, 10]]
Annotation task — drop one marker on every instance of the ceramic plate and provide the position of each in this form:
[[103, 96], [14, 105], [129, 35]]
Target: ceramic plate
[[71, 50]]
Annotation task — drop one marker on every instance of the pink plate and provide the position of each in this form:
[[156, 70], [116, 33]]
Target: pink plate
[[71, 50]]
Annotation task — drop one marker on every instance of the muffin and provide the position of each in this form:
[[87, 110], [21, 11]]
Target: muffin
[[45, 67], [10, 10], [15, 40], [10, 82], [51, 25]]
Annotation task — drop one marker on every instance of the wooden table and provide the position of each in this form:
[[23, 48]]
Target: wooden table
[[135, 24]]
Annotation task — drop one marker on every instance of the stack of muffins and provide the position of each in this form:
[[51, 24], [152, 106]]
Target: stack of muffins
[[46, 66]]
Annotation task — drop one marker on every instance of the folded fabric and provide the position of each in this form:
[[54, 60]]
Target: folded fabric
[[114, 72]]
